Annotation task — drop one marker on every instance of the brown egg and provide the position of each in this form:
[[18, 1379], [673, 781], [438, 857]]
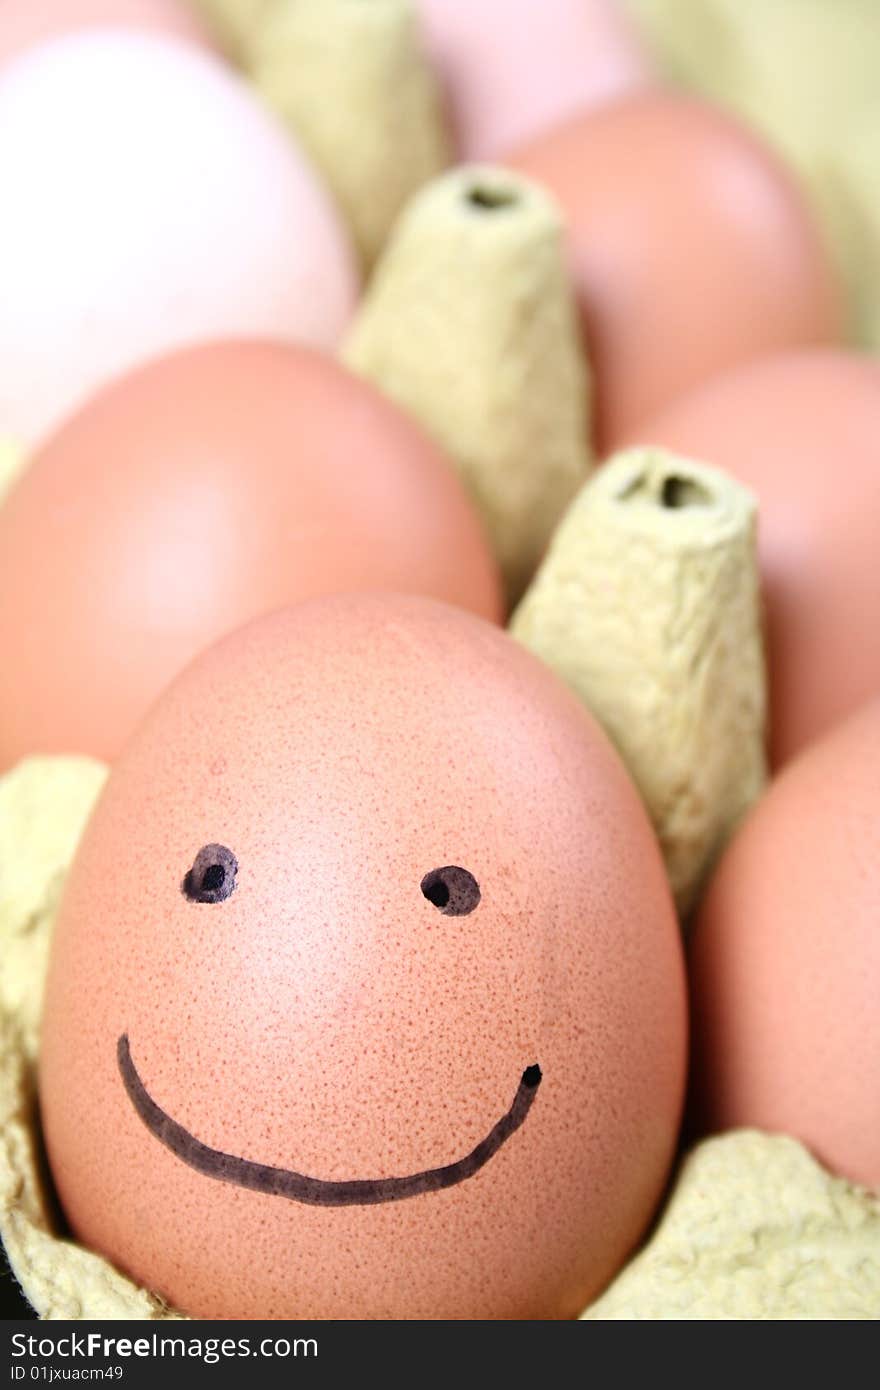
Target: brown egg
[[199, 492], [367, 997], [691, 248], [785, 960], [802, 432]]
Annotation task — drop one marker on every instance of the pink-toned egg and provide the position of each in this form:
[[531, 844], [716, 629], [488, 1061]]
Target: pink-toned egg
[[691, 246], [366, 998], [192, 495], [785, 960], [510, 69], [157, 203], [801, 430], [24, 23]]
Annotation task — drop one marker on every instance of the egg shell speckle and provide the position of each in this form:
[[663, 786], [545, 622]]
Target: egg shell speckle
[[328, 1018]]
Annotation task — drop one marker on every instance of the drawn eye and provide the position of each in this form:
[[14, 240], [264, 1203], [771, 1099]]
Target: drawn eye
[[212, 876], [452, 890]]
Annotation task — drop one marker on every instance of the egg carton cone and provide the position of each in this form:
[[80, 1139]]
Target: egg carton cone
[[648, 605], [470, 325], [351, 81]]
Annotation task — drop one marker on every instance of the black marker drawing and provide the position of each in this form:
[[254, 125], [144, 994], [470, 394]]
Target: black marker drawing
[[212, 876], [453, 890], [297, 1187]]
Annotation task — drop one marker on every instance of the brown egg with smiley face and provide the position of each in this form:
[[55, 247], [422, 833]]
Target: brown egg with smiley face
[[366, 997]]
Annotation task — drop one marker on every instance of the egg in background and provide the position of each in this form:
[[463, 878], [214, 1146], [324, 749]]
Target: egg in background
[[25, 23], [801, 430], [785, 960], [804, 74], [192, 495], [150, 201], [511, 69], [369, 899], [691, 246]]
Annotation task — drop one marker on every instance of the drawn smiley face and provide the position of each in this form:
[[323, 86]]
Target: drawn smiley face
[[212, 879], [366, 997]]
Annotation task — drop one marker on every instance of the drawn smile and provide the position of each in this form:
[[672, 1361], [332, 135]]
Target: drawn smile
[[298, 1187]]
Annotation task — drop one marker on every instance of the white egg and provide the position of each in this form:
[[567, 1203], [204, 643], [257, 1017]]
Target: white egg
[[150, 201]]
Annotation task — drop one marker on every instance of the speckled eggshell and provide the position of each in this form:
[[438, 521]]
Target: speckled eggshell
[[328, 1018], [801, 430], [691, 246], [199, 492], [785, 960], [24, 23]]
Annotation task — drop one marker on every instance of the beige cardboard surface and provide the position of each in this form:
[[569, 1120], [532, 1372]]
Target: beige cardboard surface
[[475, 274], [647, 604], [755, 1229], [351, 83]]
